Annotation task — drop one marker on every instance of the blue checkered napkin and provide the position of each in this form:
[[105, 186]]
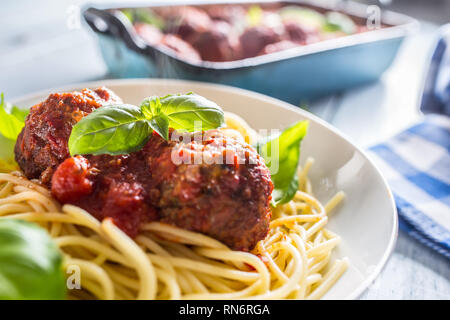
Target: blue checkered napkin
[[416, 164]]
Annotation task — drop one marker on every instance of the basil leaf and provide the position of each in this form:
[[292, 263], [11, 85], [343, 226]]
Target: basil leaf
[[281, 154], [303, 16], [20, 114], [7, 161], [12, 120], [111, 129], [191, 112], [147, 15], [160, 124], [30, 263], [120, 129], [151, 107], [10, 124], [336, 21]]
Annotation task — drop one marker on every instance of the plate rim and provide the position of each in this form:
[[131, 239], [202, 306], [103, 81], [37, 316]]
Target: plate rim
[[148, 81]]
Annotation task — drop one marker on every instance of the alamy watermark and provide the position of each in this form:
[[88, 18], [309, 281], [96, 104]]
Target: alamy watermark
[[73, 281], [214, 147], [373, 20]]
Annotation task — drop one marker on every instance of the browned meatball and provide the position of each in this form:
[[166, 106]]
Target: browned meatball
[[213, 184], [254, 39], [42, 144], [217, 43], [301, 34], [185, 21], [155, 37], [182, 49], [217, 185]]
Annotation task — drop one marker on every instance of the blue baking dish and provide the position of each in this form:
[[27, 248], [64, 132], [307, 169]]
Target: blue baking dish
[[295, 75]]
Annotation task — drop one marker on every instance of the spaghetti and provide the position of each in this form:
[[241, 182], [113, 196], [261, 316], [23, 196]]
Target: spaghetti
[[165, 262]]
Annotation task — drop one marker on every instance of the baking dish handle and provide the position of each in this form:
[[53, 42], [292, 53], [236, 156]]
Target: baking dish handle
[[115, 25]]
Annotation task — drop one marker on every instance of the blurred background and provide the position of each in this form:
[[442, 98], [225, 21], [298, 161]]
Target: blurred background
[[47, 44], [50, 45]]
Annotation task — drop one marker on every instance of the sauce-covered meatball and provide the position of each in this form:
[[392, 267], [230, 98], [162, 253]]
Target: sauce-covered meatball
[[117, 187], [42, 144], [209, 183], [217, 185]]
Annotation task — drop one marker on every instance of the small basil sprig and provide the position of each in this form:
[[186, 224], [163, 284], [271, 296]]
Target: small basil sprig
[[281, 154], [336, 21], [12, 119], [111, 129], [30, 263], [121, 129]]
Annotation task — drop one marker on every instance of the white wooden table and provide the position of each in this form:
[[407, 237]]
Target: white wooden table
[[38, 50]]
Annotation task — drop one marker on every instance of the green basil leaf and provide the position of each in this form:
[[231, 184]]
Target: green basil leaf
[[10, 125], [30, 263], [147, 15], [189, 112], [160, 124], [144, 15], [336, 21], [111, 129], [303, 16], [119, 129], [281, 154], [7, 160], [151, 107], [20, 114]]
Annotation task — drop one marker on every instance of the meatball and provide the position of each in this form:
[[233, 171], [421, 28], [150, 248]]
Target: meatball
[[218, 185], [155, 37], [182, 49], [254, 39], [185, 21], [217, 43], [208, 182], [301, 33], [42, 144], [149, 33]]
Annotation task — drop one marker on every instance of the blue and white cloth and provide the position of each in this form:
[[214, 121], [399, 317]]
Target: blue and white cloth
[[416, 162]]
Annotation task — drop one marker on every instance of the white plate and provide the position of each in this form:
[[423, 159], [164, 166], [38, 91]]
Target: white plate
[[367, 221]]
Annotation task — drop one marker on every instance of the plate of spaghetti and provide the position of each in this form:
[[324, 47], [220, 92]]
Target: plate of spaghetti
[[166, 189]]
